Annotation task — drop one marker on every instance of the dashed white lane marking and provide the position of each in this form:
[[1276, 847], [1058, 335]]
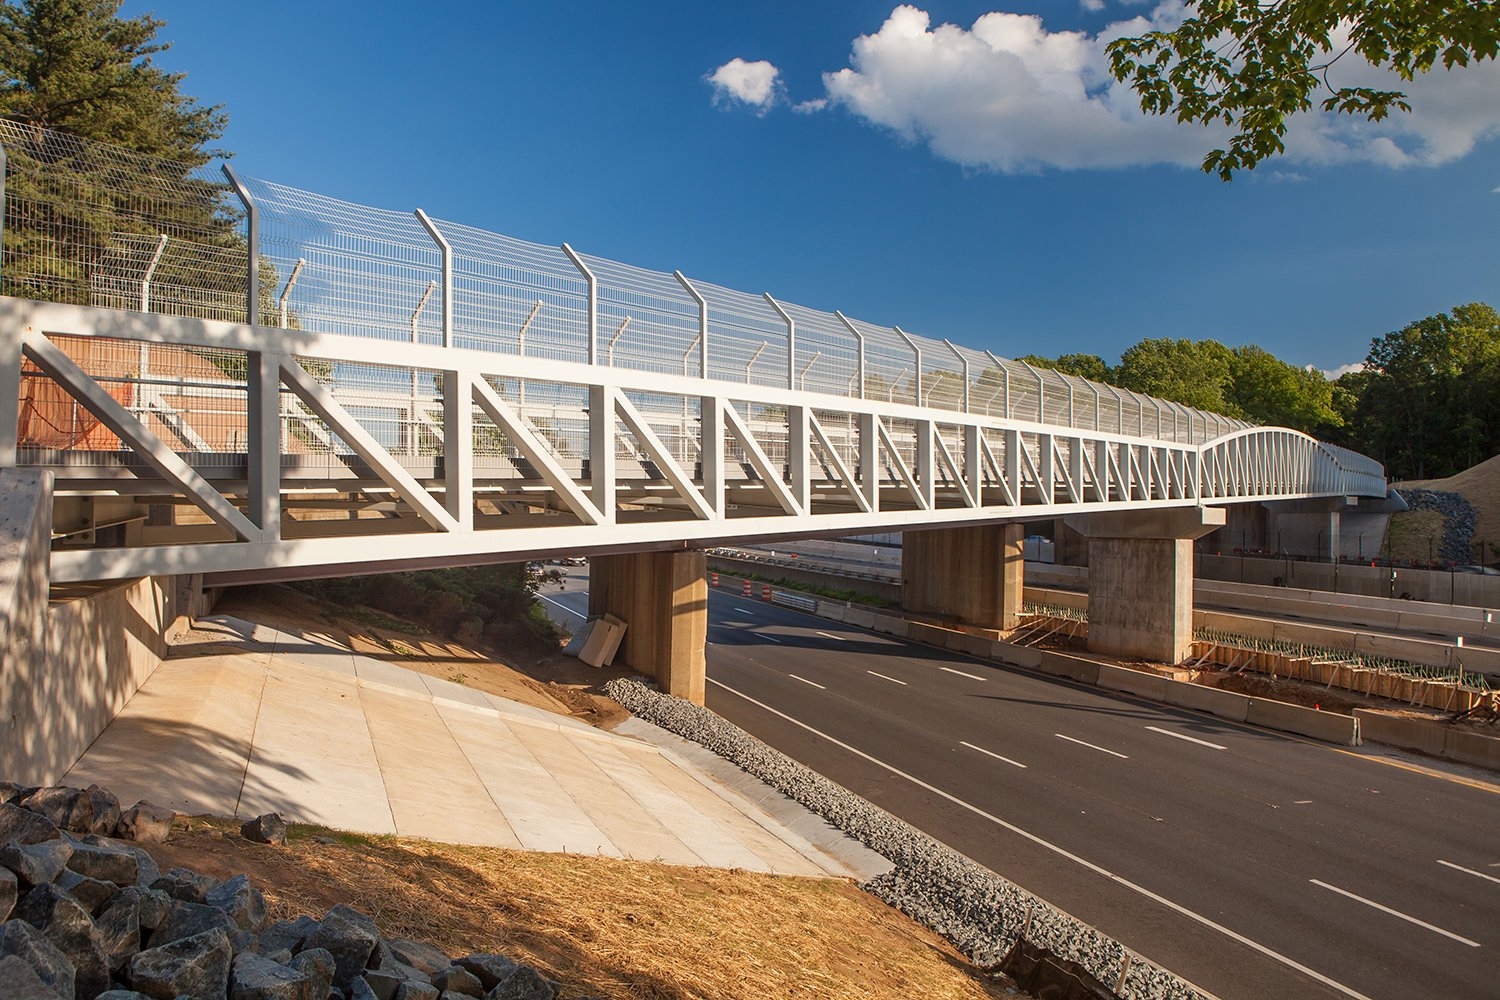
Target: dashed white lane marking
[[804, 680], [829, 635], [1063, 852], [560, 604], [1468, 871], [972, 677], [1396, 913], [743, 611], [763, 635], [1184, 736], [991, 753], [1303, 802], [885, 678], [1091, 746]]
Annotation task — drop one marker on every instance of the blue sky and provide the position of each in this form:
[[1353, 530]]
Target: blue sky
[[966, 176]]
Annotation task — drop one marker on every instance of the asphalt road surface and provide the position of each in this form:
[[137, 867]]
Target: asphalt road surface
[[1252, 863]]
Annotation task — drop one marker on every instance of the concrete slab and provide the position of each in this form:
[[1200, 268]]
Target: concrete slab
[[294, 724]]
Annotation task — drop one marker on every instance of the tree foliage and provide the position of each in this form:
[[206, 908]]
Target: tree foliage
[[1267, 390], [1251, 64], [1191, 372], [1089, 366]]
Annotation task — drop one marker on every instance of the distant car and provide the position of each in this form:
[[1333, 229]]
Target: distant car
[[575, 561]]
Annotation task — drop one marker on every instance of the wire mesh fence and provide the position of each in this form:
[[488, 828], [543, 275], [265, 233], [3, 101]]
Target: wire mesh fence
[[92, 224]]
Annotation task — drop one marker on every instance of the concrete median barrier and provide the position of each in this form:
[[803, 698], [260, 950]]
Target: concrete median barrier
[[831, 610], [1138, 682], [1015, 655], [859, 617], [1200, 698], [1408, 734], [1471, 748], [1330, 727], [1071, 667]]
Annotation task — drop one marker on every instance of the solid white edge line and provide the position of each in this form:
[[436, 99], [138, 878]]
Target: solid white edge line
[[885, 678], [804, 680], [1468, 871], [972, 677], [991, 753], [560, 604], [1091, 746], [1102, 872], [1397, 913], [1184, 736]]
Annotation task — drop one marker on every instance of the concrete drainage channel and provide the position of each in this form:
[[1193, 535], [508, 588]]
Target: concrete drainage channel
[[982, 913]]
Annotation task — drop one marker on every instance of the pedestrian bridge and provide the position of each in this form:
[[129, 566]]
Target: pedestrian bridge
[[336, 389]]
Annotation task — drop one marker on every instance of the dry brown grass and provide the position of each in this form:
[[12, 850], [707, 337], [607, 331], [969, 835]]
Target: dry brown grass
[[1416, 535], [604, 927], [1480, 485]]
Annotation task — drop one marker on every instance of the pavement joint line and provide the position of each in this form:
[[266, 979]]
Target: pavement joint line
[[560, 604], [1468, 871], [1091, 746], [1256, 946], [1184, 736], [885, 678], [972, 677], [1397, 913], [991, 753], [804, 680]]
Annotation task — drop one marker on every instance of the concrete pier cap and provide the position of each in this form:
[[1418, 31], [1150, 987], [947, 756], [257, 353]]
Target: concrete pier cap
[[1141, 579]]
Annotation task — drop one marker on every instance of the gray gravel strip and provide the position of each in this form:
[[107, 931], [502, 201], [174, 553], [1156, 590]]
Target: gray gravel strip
[[979, 911]]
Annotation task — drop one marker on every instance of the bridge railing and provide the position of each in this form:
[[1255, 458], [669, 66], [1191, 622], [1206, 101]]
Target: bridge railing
[[90, 224]]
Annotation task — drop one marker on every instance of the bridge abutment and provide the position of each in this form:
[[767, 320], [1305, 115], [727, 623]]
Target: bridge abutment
[[1141, 580], [663, 599], [973, 573]]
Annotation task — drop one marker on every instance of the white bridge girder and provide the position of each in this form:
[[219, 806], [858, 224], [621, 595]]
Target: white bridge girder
[[668, 461]]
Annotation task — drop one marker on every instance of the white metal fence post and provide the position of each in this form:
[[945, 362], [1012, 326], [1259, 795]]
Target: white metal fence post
[[917, 353], [446, 250], [252, 246], [791, 341], [859, 340], [702, 323], [593, 306]]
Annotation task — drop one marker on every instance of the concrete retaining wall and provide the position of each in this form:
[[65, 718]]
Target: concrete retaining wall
[[888, 591], [1436, 586]]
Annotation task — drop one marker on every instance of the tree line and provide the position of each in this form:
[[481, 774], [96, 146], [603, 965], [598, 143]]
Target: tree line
[[1426, 403]]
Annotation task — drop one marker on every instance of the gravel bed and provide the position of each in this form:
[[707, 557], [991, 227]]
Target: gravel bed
[[979, 911]]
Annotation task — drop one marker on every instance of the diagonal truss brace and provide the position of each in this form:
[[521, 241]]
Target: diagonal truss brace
[[321, 401], [845, 476], [525, 437], [902, 472], [769, 475], [663, 458], [128, 428]]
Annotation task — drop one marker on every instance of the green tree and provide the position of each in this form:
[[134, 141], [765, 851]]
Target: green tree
[[1089, 366], [1193, 373], [1251, 64], [1267, 390]]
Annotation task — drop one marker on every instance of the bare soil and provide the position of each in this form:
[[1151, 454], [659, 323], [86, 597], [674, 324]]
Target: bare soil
[[607, 928], [550, 681]]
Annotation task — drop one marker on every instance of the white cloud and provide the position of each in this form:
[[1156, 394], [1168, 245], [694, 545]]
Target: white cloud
[[757, 84], [1009, 95], [1333, 373], [1091, 5]]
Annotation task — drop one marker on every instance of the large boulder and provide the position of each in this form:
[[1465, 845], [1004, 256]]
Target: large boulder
[[458, 980], [423, 957], [107, 864], [318, 964], [19, 981], [285, 934], [524, 984], [268, 828], [70, 928], [186, 920], [19, 939], [491, 970], [146, 823], [105, 809], [24, 826], [65, 807], [196, 966], [91, 892], [414, 990], [241, 901], [9, 892], [36, 863], [186, 885], [350, 937], [255, 978], [119, 926]]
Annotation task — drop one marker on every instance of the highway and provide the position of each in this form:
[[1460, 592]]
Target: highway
[[1252, 863]]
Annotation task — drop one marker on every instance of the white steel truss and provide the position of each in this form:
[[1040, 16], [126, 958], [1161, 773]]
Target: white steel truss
[[669, 460]]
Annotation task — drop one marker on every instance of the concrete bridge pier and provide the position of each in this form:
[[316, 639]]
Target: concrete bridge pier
[[973, 573], [1141, 579], [663, 598]]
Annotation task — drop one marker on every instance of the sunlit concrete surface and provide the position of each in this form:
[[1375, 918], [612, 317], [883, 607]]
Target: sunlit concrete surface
[[295, 724]]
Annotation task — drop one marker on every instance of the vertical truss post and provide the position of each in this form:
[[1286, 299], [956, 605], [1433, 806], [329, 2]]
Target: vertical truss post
[[252, 246], [965, 362], [593, 310], [925, 464], [458, 447], [602, 450], [869, 467], [791, 341], [973, 464], [798, 455], [859, 340], [10, 374], [446, 250], [711, 451], [702, 322], [263, 441], [916, 353]]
